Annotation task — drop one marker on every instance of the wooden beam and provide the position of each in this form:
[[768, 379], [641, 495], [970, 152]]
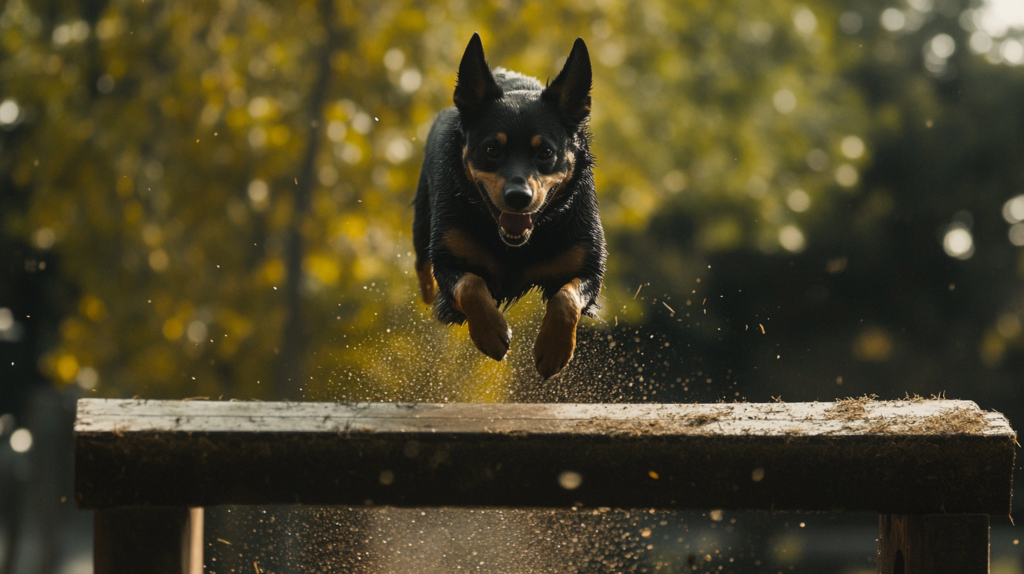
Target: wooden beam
[[933, 544], [902, 457]]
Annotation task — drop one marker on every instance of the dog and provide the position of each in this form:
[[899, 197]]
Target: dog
[[506, 204]]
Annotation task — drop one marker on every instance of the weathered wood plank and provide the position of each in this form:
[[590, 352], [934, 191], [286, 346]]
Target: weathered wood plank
[[891, 457]]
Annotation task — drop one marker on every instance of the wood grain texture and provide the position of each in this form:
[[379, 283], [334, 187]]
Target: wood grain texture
[[890, 457], [933, 544]]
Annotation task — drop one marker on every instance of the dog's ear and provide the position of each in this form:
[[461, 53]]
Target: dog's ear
[[475, 85], [570, 92]]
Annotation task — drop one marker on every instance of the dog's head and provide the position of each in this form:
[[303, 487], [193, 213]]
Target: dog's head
[[519, 144]]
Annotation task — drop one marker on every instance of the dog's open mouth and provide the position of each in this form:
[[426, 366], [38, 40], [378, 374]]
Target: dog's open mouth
[[515, 227]]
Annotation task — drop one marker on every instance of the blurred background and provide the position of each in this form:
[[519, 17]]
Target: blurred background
[[803, 200]]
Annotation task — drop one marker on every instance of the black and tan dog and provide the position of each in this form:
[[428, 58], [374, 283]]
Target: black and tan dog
[[506, 204]]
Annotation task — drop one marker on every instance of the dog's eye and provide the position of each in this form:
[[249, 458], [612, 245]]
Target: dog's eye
[[546, 153], [492, 151]]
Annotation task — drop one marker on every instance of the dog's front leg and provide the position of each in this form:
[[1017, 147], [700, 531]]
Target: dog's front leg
[[557, 338], [487, 326]]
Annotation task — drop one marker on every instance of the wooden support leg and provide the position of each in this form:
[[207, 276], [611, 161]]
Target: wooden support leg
[[152, 539], [933, 544]]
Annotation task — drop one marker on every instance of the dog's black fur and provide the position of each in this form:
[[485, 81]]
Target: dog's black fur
[[508, 148]]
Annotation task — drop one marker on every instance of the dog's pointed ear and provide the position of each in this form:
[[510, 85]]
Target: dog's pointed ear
[[570, 92], [475, 85]]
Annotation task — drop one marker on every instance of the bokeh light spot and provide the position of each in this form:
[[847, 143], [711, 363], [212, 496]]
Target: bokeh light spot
[[852, 147], [336, 131], [259, 194], [259, 107], [874, 344], [87, 378], [9, 112], [394, 59], [846, 175], [805, 21], [798, 200], [959, 243], [980, 42], [784, 101], [851, 22], [570, 480], [893, 20], [792, 239], [197, 331], [674, 181], [410, 80], [1012, 52], [817, 159], [44, 238], [1013, 210], [942, 45], [21, 440], [158, 260], [1016, 234]]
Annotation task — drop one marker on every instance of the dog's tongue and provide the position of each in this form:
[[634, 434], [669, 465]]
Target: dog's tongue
[[515, 224]]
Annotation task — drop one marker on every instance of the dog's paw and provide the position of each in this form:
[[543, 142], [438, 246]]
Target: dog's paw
[[554, 347], [490, 334]]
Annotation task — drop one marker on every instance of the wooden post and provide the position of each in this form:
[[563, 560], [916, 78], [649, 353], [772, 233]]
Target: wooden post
[[151, 539], [933, 544]]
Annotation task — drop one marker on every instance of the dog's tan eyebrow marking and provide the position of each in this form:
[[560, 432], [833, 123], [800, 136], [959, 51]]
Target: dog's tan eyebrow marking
[[502, 138], [536, 141]]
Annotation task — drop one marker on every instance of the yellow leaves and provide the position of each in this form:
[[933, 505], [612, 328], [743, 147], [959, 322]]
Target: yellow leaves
[[411, 20], [107, 28], [279, 135], [351, 226], [93, 308], [173, 329], [237, 328], [159, 261], [367, 267], [71, 329], [237, 118], [272, 271], [324, 268], [66, 367], [638, 202], [152, 235]]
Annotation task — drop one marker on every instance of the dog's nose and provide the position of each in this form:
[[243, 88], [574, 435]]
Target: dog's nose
[[517, 195]]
